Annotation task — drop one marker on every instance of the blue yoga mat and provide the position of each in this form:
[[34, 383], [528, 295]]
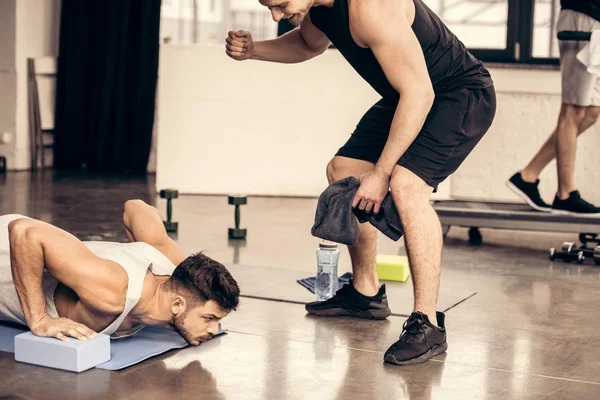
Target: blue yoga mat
[[149, 342], [309, 283]]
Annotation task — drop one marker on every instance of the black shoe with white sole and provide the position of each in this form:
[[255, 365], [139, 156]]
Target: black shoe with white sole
[[420, 340], [349, 302], [574, 204], [528, 191]]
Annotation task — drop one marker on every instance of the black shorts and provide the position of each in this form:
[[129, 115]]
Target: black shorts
[[455, 124]]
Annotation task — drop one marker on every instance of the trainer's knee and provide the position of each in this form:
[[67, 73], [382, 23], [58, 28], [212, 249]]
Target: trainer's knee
[[333, 170], [408, 190], [343, 167], [572, 114]]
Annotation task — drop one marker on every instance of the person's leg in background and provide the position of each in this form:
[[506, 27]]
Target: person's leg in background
[[568, 117], [579, 111], [573, 121]]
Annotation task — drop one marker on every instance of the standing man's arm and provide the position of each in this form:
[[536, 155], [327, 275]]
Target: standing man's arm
[[384, 27], [100, 284], [295, 46]]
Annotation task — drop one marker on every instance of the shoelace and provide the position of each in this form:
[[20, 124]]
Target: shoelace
[[412, 326]]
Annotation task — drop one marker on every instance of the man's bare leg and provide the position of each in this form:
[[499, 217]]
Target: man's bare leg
[[566, 147], [422, 235], [364, 253], [547, 152], [420, 340]]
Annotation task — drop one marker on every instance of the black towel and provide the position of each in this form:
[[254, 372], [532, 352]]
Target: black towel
[[335, 219], [309, 283]]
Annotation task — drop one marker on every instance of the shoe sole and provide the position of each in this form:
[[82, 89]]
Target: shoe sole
[[390, 358], [565, 212], [523, 196], [355, 313]]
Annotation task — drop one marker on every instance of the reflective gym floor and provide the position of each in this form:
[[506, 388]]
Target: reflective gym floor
[[527, 330]]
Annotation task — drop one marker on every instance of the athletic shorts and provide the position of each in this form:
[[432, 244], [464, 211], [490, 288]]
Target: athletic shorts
[[455, 124], [579, 87]]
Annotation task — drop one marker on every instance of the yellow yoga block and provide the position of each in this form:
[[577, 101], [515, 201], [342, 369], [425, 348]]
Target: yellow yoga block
[[392, 268]]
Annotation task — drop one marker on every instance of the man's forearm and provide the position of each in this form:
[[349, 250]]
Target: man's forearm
[[27, 265], [409, 118], [288, 49]]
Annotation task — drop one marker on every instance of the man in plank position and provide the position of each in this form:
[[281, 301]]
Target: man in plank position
[[61, 287]]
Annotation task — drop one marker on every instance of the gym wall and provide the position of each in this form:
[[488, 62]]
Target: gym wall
[[27, 29], [269, 129]]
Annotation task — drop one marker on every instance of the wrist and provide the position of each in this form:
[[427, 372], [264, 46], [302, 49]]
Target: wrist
[[384, 171], [37, 319], [255, 52]]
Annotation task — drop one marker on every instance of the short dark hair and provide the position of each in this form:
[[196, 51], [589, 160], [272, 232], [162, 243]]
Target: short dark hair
[[206, 279]]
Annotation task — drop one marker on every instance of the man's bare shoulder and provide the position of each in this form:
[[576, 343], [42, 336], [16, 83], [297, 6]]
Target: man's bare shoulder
[[371, 13], [373, 20]]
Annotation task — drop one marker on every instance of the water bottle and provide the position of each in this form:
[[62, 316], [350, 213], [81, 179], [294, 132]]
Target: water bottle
[[327, 278]]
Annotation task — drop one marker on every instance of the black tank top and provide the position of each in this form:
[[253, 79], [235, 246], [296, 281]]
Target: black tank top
[[589, 7], [449, 63]]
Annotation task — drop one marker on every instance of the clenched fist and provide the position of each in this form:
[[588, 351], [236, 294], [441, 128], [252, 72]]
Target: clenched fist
[[239, 45]]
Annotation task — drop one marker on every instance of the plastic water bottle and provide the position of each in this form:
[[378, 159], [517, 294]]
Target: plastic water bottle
[[327, 278]]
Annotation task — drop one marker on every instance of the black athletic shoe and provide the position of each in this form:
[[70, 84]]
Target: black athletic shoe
[[528, 191], [348, 302], [420, 340], [574, 204]]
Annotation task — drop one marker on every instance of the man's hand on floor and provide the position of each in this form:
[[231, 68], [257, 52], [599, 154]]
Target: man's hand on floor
[[61, 328]]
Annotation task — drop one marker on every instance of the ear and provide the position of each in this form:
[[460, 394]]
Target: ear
[[178, 305]]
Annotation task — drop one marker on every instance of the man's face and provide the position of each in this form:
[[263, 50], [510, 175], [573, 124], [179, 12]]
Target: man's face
[[293, 10], [199, 324]]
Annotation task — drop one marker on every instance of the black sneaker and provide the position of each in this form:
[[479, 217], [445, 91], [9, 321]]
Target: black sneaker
[[420, 340], [574, 204], [528, 191], [348, 302]]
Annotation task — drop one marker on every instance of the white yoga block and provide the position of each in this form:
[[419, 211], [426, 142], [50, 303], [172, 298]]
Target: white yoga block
[[74, 355]]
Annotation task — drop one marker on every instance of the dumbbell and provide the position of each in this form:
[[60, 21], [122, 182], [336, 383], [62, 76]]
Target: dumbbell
[[569, 253], [237, 232], [592, 253], [170, 194]]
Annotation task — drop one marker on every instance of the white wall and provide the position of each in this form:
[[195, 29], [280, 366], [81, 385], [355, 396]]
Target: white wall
[[252, 127], [269, 129], [27, 29], [38, 23], [8, 76]]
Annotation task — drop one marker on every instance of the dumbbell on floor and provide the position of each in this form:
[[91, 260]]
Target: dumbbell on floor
[[592, 253], [237, 232], [170, 194], [568, 253]]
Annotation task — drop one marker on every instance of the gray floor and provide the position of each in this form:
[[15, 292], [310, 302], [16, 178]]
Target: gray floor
[[530, 332]]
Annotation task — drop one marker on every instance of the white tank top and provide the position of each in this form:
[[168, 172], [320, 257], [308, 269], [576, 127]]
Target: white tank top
[[135, 258]]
